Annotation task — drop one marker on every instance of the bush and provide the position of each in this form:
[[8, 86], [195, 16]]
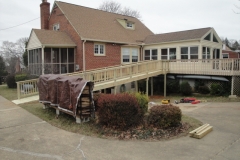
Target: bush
[[120, 111], [20, 77], [142, 100], [164, 116], [216, 89], [203, 89], [172, 86], [95, 100], [185, 88], [11, 81]]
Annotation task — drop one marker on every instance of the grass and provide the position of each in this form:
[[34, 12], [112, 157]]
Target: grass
[[8, 93]]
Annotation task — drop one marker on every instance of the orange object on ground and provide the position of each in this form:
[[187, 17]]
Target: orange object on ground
[[196, 102]]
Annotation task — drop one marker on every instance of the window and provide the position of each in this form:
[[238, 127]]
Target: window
[[184, 53], [151, 54], [189, 53], [216, 54], [225, 55], [215, 39], [208, 37], [126, 54], [129, 25], [205, 53], [164, 54], [129, 55], [56, 27], [168, 54], [99, 49]]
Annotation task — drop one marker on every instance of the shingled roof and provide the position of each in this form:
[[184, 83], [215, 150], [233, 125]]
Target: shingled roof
[[177, 36], [97, 25], [47, 37]]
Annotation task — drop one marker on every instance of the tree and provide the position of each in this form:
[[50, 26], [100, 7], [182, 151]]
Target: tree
[[2, 67], [12, 52], [115, 7], [25, 56], [226, 42], [238, 8]]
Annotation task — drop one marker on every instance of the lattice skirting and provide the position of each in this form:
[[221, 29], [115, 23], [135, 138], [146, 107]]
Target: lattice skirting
[[236, 85]]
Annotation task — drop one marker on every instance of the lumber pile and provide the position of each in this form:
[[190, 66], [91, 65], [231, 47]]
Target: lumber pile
[[201, 131]]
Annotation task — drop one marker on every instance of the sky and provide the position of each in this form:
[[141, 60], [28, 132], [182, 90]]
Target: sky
[[160, 16]]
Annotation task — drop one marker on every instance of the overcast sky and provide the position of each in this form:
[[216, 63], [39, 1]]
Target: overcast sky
[[160, 16]]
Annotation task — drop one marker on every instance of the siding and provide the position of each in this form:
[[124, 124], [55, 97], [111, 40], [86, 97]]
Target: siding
[[34, 42]]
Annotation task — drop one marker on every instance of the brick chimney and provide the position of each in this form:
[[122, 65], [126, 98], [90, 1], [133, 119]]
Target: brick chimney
[[45, 13]]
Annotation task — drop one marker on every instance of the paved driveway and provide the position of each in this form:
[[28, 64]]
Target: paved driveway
[[25, 136]]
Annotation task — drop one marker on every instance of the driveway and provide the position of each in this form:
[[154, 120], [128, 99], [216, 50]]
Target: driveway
[[25, 136]]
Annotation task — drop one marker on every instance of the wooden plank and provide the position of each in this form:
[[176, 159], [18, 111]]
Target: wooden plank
[[197, 129], [203, 132]]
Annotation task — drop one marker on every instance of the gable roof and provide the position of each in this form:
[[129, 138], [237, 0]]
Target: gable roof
[[97, 25], [50, 37], [177, 36]]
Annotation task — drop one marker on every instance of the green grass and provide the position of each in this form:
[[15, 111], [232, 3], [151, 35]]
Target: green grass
[[8, 93]]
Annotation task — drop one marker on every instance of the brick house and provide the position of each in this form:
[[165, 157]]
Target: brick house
[[76, 38]]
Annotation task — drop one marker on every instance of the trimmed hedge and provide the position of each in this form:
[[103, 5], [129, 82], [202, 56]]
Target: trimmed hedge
[[185, 88], [164, 116], [120, 111], [11, 81], [142, 100], [20, 77]]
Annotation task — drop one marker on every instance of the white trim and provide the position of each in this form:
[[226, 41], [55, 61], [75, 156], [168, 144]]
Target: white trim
[[99, 49]]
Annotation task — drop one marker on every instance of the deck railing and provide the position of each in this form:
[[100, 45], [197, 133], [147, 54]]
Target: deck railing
[[120, 73], [27, 88], [221, 67]]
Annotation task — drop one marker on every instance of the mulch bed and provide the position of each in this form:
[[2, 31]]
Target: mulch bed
[[148, 134]]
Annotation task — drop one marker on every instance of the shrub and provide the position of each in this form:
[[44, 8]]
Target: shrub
[[185, 88], [20, 77], [173, 86], [203, 89], [164, 116], [142, 100], [120, 111], [216, 89], [95, 99], [11, 81]]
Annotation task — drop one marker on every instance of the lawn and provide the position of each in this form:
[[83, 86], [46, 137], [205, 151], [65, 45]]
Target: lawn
[[8, 93]]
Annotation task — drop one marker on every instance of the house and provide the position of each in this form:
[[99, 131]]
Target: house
[[76, 38], [228, 53]]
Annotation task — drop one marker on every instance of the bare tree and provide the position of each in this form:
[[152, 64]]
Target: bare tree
[[12, 52], [115, 7], [238, 8], [129, 12], [110, 6]]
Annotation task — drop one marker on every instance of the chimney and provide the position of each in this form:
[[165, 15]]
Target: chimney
[[45, 13]]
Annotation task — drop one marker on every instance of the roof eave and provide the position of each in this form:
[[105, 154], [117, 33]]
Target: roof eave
[[198, 39]]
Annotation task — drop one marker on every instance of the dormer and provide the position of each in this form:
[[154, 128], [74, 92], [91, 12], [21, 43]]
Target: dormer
[[127, 24]]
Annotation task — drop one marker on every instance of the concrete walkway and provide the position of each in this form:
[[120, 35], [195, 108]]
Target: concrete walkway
[[25, 136], [26, 100]]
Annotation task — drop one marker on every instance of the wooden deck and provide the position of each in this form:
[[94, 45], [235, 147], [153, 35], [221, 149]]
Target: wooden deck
[[121, 74]]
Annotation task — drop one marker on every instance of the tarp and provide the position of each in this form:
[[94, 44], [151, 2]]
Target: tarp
[[64, 92]]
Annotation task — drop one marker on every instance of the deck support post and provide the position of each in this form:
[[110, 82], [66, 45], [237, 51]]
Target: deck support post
[[115, 90], [147, 86], [136, 86], [165, 84], [232, 88], [151, 86]]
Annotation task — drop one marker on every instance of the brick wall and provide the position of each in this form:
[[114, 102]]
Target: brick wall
[[113, 52], [231, 54], [58, 17], [112, 56]]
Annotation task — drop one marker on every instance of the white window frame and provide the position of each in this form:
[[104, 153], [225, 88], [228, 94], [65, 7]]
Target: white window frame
[[56, 27], [130, 54], [225, 54], [189, 52], [168, 53], [100, 51], [150, 56]]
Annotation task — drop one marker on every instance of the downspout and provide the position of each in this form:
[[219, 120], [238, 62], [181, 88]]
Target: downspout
[[84, 64]]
